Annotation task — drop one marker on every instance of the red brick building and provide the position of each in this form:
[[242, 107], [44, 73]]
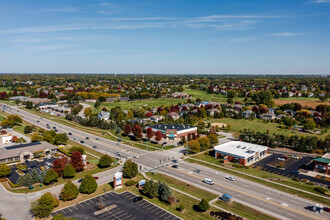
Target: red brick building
[[172, 132], [322, 164]]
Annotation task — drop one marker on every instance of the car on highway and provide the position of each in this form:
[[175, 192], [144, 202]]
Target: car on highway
[[208, 181], [136, 156], [54, 127], [295, 157], [138, 198], [281, 158], [97, 139], [79, 181], [296, 172], [86, 138], [230, 178], [95, 177], [38, 121], [69, 133], [95, 147], [326, 209], [55, 130], [82, 142], [197, 171], [175, 166], [175, 161]]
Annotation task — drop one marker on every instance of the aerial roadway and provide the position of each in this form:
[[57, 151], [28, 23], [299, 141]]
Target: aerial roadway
[[268, 200]]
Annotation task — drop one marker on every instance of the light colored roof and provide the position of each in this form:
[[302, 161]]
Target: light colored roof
[[17, 150], [240, 149]]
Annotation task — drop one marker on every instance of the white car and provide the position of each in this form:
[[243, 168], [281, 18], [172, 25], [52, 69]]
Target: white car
[[208, 181], [136, 156], [281, 158], [295, 157], [230, 178]]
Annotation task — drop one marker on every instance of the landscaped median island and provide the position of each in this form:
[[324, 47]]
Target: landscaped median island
[[262, 177]]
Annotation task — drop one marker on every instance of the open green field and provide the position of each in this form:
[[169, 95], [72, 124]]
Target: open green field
[[205, 96], [152, 103], [253, 172], [259, 125]]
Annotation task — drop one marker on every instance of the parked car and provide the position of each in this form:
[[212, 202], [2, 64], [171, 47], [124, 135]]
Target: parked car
[[175, 161], [295, 172], [285, 157], [326, 209], [48, 163], [197, 171], [79, 181], [281, 158], [27, 162], [295, 157], [95, 147], [136, 156], [54, 127], [208, 181], [96, 178], [136, 199], [38, 121], [230, 178], [175, 166], [55, 130], [97, 139]]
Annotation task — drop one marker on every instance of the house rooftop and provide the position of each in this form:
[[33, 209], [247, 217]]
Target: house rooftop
[[164, 127]]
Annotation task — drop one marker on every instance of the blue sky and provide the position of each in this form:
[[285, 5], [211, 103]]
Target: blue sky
[[169, 36]]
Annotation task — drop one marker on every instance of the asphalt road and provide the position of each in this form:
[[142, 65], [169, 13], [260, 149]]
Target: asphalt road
[[270, 201]]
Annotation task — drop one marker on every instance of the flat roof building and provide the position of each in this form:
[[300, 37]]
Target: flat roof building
[[240, 152], [174, 131], [23, 152]]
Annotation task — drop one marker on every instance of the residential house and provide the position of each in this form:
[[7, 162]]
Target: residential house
[[156, 118], [212, 111], [247, 114], [267, 116], [103, 115], [173, 115]]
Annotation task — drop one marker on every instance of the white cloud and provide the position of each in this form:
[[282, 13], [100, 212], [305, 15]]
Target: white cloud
[[241, 40], [64, 9], [287, 34], [321, 1]]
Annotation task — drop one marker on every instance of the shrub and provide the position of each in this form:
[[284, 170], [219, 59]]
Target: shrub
[[61, 217], [203, 205], [105, 161], [50, 177], [69, 171], [4, 170], [296, 179], [77, 161], [321, 190], [164, 192], [88, 185], [180, 207], [130, 182], [69, 192], [304, 180], [237, 165]]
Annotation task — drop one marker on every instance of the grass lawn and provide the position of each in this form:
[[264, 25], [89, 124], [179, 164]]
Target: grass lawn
[[259, 125], [243, 210], [263, 174], [192, 190], [153, 103]]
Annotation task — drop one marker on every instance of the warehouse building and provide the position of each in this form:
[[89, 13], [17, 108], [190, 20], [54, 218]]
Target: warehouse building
[[240, 152], [172, 132]]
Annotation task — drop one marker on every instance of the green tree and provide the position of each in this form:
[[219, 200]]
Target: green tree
[[69, 171], [105, 161], [28, 129], [213, 139], [11, 121], [29, 105], [4, 170], [79, 149], [50, 177], [44, 206], [69, 192], [204, 143], [34, 175], [60, 139], [130, 169], [203, 205], [194, 146], [28, 181], [309, 124], [88, 185], [36, 137], [164, 191]]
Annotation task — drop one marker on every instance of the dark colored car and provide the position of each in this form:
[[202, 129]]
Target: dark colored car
[[38, 121], [136, 199], [295, 172], [82, 142], [175, 166], [97, 139], [70, 133], [197, 171], [285, 157], [33, 167], [87, 138], [55, 130], [326, 209], [27, 162], [79, 181], [175, 161], [310, 208], [54, 127], [95, 147]]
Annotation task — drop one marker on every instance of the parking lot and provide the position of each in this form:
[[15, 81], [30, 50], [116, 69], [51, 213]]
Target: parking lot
[[302, 165], [121, 206], [38, 164]]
